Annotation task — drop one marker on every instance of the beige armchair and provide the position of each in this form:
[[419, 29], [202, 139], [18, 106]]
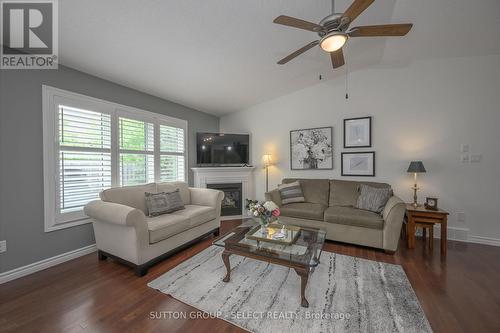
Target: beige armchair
[[124, 232]]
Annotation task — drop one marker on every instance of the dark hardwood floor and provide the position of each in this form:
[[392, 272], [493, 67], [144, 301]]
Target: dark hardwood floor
[[460, 293]]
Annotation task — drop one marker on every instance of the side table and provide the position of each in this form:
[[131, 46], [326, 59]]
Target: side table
[[420, 214]]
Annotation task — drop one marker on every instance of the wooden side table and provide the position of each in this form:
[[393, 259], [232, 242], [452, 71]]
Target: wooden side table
[[421, 214]]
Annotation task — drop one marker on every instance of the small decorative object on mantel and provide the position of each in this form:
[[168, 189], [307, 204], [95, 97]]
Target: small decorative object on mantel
[[415, 167], [431, 203], [266, 212], [311, 149], [358, 132], [358, 164]]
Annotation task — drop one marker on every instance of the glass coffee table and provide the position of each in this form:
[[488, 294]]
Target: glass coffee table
[[302, 255]]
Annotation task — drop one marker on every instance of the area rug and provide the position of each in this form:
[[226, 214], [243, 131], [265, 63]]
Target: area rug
[[345, 294]]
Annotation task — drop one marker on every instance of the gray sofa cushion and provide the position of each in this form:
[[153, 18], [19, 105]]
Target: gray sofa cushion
[[315, 190], [346, 192], [304, 210], [353, 216]]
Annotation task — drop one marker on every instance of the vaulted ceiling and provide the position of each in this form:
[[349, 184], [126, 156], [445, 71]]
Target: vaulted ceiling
[[219, 56]]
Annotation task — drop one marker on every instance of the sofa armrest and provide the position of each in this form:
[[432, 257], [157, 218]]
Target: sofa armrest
[[274, 196], [393, 215], [114, 213], [206, 197]]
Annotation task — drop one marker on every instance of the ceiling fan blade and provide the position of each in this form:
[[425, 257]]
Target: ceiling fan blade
[[380, 30], [297, 23], [337, 58], [298, 52], [356, 8]]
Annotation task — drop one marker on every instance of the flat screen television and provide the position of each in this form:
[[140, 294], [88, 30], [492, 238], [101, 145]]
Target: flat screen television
[[219, 149]]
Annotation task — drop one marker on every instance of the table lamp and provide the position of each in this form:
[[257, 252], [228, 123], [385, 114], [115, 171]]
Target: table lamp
[[415, 167], [267, 163]]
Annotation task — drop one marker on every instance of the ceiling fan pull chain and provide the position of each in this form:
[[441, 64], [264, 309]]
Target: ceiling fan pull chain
[[346, 77]]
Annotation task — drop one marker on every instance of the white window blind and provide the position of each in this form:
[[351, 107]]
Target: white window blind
[[136, 152], [84, 156], [91, 145], [172, 151]]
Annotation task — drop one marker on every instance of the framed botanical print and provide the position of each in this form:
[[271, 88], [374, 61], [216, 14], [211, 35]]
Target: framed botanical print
[[311, 149], [358, 164], [358, 132]]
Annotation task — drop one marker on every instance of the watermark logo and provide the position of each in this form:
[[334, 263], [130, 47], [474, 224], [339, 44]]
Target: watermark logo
[[29, 38]]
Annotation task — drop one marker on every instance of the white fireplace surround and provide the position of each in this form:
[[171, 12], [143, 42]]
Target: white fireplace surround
[[227, 175]]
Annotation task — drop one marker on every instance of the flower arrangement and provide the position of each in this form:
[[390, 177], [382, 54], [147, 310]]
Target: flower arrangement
[[265, 211]]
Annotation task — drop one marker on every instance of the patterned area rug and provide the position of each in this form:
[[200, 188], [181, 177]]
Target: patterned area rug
[[345, 294]]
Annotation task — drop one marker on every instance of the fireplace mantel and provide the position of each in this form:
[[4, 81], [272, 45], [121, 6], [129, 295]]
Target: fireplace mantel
[[226, 175]]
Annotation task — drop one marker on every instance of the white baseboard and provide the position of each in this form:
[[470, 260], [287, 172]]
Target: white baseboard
[[462, 235], [45, 263], [484, 240]]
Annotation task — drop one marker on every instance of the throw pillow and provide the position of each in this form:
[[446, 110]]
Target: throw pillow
[[163, 202], [291, 193], [372, 198]]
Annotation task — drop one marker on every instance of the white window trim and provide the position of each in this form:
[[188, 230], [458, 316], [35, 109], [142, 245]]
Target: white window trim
[[50, 98]]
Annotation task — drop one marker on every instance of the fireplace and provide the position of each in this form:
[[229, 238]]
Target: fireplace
[[232, 204]]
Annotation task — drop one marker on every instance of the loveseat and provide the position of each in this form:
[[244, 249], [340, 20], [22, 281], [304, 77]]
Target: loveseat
[[123, 230], [330, 205]]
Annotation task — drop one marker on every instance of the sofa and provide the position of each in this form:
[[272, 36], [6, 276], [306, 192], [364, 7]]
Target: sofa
[[330, 205], [123, 231]]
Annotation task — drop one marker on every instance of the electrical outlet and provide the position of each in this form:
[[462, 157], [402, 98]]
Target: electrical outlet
[[465, 158], [3, 246], [461, 217]]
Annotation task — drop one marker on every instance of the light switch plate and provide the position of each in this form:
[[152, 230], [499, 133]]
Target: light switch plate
[[461, 217], [3, 246], [465, 158], [464, 148]]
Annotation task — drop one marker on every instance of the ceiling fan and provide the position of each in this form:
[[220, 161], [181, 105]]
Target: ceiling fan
[[334, 31]]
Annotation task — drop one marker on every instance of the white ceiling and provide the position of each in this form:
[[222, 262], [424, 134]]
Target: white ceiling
[[219, 56]]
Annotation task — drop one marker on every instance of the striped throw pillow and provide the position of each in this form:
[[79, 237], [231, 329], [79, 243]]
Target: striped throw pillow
[[291, 193], [372, 198]]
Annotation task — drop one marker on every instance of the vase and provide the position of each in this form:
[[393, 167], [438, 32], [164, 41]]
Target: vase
[[264, 222]]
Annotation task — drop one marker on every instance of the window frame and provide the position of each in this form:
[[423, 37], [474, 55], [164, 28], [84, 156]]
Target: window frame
[[51, 99]]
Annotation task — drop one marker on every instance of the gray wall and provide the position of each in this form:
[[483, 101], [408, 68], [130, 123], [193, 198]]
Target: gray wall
[[21, 159]]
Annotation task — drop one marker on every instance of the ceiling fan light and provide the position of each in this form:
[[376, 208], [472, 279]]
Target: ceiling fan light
[[333, 41]]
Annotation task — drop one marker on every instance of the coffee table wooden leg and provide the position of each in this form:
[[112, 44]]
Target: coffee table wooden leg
[[304, 276], [225, 258]]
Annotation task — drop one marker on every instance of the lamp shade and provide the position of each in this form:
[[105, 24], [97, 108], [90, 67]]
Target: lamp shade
[[267, 159], [416, 167]]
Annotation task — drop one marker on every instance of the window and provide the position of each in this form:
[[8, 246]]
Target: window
[[91, 145]]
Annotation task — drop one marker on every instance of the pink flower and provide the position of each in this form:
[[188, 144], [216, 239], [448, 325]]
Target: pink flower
[[276, 212]]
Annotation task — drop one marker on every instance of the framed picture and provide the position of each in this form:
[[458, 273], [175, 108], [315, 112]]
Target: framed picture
[[311, 149], [358, 164], [358, 132]]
